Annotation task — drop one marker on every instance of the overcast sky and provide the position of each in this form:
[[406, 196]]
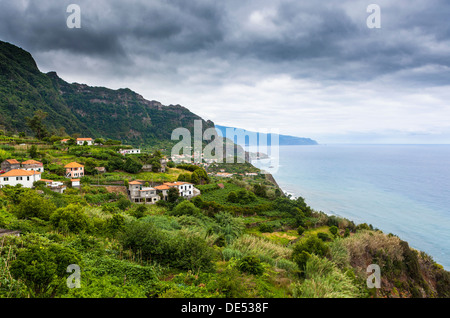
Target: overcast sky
[[307, 68]]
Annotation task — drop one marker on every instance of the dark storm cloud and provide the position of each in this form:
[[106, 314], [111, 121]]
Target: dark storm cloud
[[329, 41]]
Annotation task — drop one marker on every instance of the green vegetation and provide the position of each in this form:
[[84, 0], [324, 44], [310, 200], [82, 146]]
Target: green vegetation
[[77, 109], [240, 238]]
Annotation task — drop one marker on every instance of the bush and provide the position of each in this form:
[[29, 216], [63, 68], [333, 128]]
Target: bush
[[265, 228], [251, 265], [232, 197], [185, 208], [123, 203], [334, 230], [167, 248], [33, 205], [300, 230], [324, 237], [303, 250], [71, 219], [43, 268]]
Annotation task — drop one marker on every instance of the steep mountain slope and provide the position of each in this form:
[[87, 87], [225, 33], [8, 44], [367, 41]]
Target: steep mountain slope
[[90, 111]]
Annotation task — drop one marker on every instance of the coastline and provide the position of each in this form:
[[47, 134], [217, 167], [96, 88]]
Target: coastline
[[272, 179]]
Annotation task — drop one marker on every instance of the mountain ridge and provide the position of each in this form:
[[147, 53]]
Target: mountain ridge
[[120, 114]]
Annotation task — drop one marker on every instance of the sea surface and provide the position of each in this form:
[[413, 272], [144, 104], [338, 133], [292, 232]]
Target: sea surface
[[399, 189]]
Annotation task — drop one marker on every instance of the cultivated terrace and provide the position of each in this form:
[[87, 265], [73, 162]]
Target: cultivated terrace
[[239, 237]]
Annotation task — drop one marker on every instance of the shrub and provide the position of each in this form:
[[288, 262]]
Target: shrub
[[251, 265], [185, 208], [303, 250], [324, 237], [71, 219], [300, 230], [33, 205], [265, 228], [333, 230], [123, 203], [167, 248], [43, 268]]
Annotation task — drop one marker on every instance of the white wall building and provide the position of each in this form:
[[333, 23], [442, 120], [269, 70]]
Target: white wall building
[[89, 141], [186, 189], [20, 176], [129, 151]]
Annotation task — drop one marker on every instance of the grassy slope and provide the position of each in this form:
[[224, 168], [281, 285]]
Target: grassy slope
[[106, 260]]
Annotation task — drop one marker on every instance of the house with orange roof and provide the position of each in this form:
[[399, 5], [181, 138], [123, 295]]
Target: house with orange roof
[[139, 193], [81, 141], [10, 164], [19, 176], [32, 165], [74, 170]]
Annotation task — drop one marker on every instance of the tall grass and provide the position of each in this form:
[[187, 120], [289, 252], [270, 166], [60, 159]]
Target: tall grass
[[323, 279], [365, 247], [249, 244]]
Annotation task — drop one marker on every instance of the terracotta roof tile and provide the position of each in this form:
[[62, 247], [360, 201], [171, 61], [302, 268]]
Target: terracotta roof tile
[[73, 165], [19, 173]]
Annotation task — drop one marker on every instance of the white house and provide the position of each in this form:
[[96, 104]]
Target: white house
[[20, 176], [81, 141], [56, 186], [75, 183], [129, 151], [186, 189]]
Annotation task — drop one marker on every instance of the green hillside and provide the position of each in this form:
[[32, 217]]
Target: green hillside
[[77, 108]]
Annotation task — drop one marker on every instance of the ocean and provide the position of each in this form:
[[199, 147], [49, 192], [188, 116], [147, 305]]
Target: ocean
[[399, 189]]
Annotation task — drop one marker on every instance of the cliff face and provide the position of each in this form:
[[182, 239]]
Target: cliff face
[[78, 108]]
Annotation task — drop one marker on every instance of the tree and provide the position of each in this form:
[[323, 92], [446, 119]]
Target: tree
[[132, 166], [303, 250], [43, 269], [33, 205], [185, 208], [71, 218], [251, 265], [199, 176], [123, 203], [115, 163], [333, 230], [36, 125], [172, 195], [260, 190], [232, 197]]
